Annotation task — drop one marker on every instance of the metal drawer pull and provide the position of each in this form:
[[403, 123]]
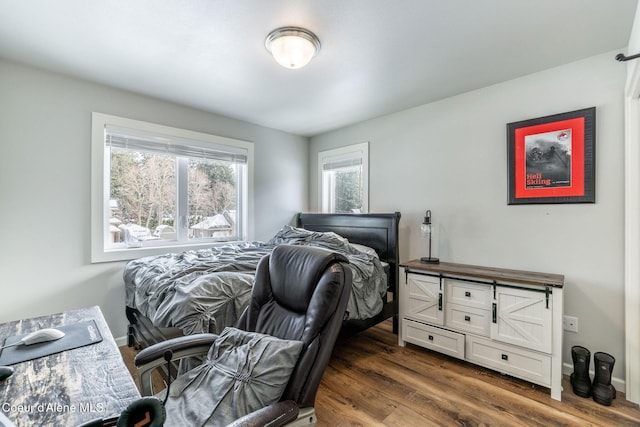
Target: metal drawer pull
[[505, 357], [467, 318], [430, 337], [467, 294]]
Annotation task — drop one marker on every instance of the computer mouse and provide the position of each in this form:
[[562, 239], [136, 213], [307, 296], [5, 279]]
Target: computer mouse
[[42, 335], [5, 372]]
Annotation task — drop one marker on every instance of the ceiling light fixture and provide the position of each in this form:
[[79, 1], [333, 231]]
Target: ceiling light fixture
[[292, 47]]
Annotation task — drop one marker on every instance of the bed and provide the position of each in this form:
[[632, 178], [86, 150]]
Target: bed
[[203, 291]]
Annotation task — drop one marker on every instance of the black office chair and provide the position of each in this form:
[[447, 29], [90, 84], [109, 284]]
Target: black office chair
[[299, 296]]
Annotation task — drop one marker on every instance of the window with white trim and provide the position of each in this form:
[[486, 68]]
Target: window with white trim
[[157, 187], [344, 179]]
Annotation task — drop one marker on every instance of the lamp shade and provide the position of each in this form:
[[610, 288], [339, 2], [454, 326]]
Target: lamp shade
[[292, 47], [425, 227], [425, 230]]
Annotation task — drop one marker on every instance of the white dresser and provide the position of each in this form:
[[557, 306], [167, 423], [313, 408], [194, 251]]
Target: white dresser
[[506, 320]]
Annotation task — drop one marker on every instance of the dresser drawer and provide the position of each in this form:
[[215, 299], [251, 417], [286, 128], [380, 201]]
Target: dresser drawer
[[521, 363], [440, 340], [468, 319], [468, 294]]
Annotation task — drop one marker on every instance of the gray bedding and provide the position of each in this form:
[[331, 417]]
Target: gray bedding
[[207, 290]]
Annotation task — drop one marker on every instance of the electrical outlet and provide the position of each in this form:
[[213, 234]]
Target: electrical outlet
[[570, 323]]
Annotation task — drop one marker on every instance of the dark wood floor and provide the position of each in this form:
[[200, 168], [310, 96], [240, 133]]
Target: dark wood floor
[[371, 381]]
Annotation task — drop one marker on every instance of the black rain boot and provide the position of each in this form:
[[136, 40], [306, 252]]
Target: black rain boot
[[580, 381], [603, 392]]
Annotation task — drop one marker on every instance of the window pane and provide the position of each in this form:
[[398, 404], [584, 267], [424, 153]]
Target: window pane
[[345, 190], [142, 197], [213, 199], [344, 181]]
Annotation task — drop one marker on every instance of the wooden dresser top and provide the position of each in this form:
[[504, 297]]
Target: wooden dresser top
[[487, 273]]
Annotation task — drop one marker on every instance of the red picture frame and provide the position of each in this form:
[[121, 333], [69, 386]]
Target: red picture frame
[[552, 159]]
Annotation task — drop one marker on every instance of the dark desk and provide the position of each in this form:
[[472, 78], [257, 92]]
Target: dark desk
[[68, 388]]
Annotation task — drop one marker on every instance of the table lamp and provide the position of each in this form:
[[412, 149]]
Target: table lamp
[[426, 231]]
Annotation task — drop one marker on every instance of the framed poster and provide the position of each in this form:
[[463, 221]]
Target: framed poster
[[552, 159]]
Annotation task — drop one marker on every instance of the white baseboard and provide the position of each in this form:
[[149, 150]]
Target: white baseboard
[[120, 341], [618, 383]]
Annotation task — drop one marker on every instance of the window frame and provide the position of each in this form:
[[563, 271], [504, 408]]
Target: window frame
[[100, 178], [354, 151]]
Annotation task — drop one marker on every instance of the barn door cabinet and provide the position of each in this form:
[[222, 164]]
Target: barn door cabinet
[[506, 320]]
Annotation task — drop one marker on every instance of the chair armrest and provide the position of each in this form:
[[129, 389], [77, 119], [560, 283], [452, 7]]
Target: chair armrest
[[175, 345], [153, 356], [275, 415]]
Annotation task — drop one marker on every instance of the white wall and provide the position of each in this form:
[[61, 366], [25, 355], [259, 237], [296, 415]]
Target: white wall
[[45, 141], [450, 156]]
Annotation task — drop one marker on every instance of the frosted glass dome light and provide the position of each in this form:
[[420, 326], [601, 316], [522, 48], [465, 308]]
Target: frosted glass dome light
[[292, 47]]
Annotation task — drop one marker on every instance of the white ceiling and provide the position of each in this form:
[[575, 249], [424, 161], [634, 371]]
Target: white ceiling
[[377, 56]]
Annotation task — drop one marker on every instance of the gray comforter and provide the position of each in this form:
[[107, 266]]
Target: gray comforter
[[207, 289]]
